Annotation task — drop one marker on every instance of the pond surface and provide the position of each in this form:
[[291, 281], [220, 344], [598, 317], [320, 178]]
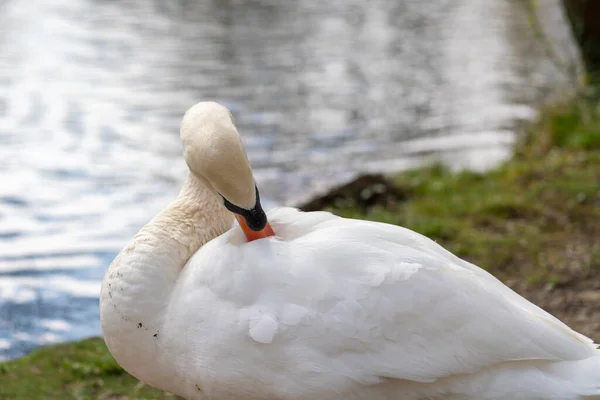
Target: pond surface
[[92, 93]]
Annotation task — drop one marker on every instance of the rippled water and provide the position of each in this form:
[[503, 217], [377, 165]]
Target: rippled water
[[92, 92]]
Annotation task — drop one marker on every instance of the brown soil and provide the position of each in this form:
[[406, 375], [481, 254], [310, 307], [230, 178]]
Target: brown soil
[[364, 192]]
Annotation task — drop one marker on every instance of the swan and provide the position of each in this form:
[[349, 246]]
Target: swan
[[292, 305]]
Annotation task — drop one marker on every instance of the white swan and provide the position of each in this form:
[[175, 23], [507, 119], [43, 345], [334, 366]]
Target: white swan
[[327, 309]]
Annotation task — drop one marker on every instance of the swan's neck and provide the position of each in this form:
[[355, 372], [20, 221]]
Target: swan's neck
[[137, 287], [148, 268], [193, 219]]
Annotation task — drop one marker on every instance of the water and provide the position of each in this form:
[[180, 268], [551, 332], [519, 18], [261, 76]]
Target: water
[[92, 93]]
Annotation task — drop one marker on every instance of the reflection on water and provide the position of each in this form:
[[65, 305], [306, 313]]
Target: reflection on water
[[92, 92]]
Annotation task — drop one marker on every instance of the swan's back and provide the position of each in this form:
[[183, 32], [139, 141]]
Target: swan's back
[[338, 308]]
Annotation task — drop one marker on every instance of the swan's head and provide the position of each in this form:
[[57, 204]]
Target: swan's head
[[215, 154]]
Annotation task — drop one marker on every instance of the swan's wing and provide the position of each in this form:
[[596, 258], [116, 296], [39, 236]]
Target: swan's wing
[[373, 301]]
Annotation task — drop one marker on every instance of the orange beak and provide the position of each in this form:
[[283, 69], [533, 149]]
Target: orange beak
[[254, 235]]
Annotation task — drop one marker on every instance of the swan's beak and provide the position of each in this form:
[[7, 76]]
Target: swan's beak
[[253, 222], [252, 234]]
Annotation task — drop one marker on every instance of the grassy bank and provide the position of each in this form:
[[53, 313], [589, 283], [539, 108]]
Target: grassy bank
[[534, 221], [81, 370]]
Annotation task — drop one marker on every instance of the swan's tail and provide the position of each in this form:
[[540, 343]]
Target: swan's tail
[[563, 380], [530, 380], [582, 377]]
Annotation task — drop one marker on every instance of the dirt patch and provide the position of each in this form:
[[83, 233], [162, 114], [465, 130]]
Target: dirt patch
[[364, 192]]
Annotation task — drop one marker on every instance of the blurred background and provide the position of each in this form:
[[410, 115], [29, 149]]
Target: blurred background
[[92, 93]]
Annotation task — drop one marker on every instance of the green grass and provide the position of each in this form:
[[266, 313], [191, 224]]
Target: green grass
[[81, 370], [537, 217]]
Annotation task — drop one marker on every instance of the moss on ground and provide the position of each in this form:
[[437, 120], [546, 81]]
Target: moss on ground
[[534, 220], [79, 370]]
